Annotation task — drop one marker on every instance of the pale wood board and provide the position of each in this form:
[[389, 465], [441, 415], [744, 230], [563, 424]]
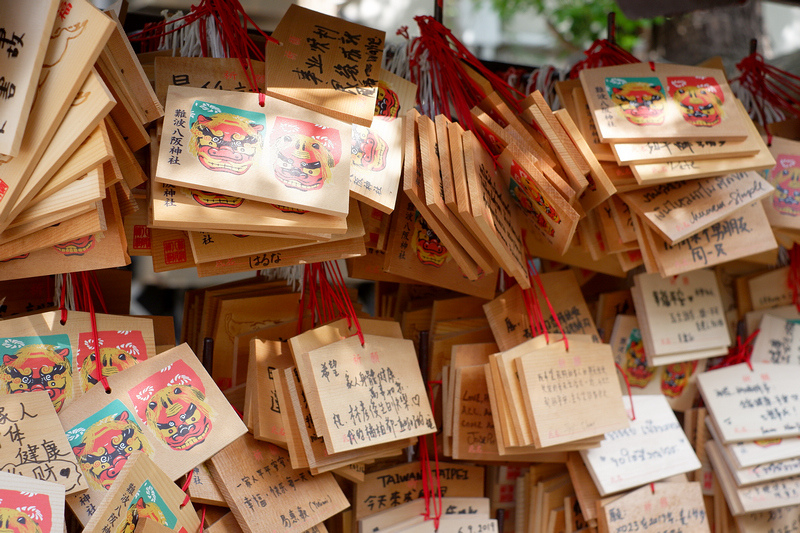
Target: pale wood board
[[29, 34], [342, 80], [294, 500], [75, 43], [611, 467]]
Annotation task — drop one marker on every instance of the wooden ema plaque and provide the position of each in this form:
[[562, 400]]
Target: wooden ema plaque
[[782, 209], [570, 394], [662, 103], [415, 252], [678, 505], [40, 343], [753, 498], [264, 491], [678, 381], [751, 405], [327, 64], [26, 499], [778, 341], [143, 491], [391, 487], [21, 66], [546, 210], [654, 447], [765, 521], [77, 38], [509, 319], [665, 307], [376, 164], [681, 209], [414, 186], [495, 217], [34, 445], [366, 395], [223, 74], [657, 152], [288, 155], [433, 159]]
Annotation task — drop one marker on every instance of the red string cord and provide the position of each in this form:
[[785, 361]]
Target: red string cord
[[95, 337], [427, 482], [768, 85], [202, 520], [350, 308], [602, 53], [535, 277], [185, 487], [739, 353], [628, 386], [63, 304]]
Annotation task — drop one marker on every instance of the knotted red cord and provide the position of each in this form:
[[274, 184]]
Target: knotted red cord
[[535, 315], [452, 87], [768, 86], [602, 53], [63, 303], [89, 302], [739, 353], [426, 470], [533, 274]]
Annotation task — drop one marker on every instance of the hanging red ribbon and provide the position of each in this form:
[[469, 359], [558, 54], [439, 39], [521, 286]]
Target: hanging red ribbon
[[425, 465], [88, 305], [602, 53], [534, 276], [185, 487], [769, 87], [739, 353]]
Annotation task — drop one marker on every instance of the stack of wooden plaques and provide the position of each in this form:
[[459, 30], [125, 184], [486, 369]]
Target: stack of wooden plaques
[[66, 178], [754, 450]]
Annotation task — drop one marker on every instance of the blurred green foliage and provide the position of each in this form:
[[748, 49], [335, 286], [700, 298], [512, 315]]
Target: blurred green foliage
[[578, 22]]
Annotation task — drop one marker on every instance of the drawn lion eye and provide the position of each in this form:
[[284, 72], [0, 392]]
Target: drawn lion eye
[[121, 357], [315, 146]]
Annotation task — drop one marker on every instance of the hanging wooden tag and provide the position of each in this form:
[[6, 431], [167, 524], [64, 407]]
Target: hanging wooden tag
[[391, 487], [341, 389], [224, 74], [747, 454], [671, 504], [203, 489], [22, 71], [415, 252], [731, 238], [100, 250], [770, 289], [671, 171], [189, 209], [608, 226], [26, 499], [778, 519], [55, 355], [326, 63], [377, 151], [80, 33], [268, 361], [474, 435], [778, 341], [545, 208], [432, 157], [654, 447], [656, 152], [663, 102], [678, 381], [588, 128], [167, 406], [264, 491], [759, 497], [143, 491], [678, 210], [508, 317], [783, 209], [669, 305], [570, 395], [33, 443], [495, 216], [289, 155], [726, 390]]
